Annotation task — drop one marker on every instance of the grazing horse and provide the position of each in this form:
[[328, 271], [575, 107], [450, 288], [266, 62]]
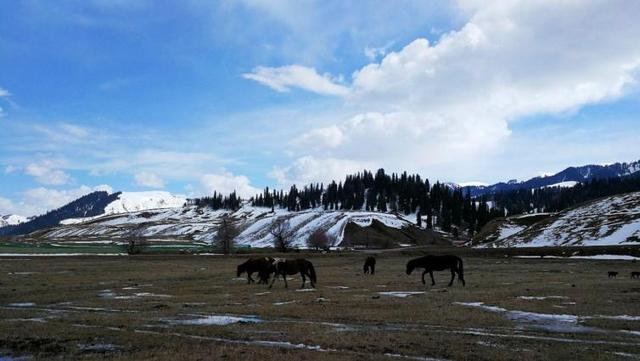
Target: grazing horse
[[635, 274], [370, 265], [262, 265], [286, 267], [438, 263], [612, 274]]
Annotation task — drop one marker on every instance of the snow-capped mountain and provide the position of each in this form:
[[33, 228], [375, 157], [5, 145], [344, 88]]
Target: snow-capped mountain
[[568, 177], [11, 220], [613, 220], [140, 201], [97, 204]]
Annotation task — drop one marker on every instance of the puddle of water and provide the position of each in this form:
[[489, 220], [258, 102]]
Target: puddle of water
[[218, 320], [543, 321], [13, 358], [401, 294], [626, 354], [283, 303], [22, 304], [617, 317], [112, 295], [97, 347], [542, 298], [21, 273], [406, 357], [34, 319]]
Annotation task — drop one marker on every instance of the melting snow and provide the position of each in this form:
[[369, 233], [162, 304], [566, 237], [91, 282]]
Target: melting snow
[[401, 294], [219, 320]]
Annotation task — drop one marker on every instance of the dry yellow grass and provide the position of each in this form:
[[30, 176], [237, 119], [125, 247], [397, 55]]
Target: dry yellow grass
[[86, 307]]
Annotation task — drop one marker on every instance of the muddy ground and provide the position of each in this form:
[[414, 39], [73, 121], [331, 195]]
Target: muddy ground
[[195, 308]]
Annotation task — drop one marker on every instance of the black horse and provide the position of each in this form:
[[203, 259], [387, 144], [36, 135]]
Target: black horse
[[286, 267], [262, 265], [635, 274], [370, 265], [438, 263], [612, 274]]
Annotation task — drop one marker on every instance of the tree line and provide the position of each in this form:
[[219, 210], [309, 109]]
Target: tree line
[[438, 205]]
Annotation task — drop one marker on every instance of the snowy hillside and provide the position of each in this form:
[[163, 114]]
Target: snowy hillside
[[200, 224], [140, 201], [608, 221], [504, 227], [569, 177], [11, 220], [135, 202]]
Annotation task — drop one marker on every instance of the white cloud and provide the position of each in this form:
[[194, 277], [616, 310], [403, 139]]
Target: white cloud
[[284, 78], [6, 206], [373, 53], [37, 201], [4, 92], [148, 179], [308, 169], [46, 173], [452, 101], [226, 183]]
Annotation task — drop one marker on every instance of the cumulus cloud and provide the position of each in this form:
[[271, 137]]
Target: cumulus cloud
[[6, 206], [46, 173], [454, 100], [148, 179], [39, 200], [227, 183], [308, 169], [284, 78]]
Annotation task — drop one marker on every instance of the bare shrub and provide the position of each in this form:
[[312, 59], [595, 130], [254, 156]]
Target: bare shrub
[[318, 240], [227, 232], [282, 233]]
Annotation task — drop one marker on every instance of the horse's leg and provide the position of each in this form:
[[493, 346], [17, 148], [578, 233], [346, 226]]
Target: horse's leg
[[304, 279], [453, 276], [373, 269], [284, 277], [275, 277], [423, 281], [433, 282], [249, 279]]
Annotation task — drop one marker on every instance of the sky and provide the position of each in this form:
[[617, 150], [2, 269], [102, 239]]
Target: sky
[[195, 96]]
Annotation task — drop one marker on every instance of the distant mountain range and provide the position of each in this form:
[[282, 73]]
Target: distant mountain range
[[568, 177], [99, 204], [93, 205]]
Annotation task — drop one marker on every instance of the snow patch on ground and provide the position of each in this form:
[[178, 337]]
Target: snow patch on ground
[[400, 294]]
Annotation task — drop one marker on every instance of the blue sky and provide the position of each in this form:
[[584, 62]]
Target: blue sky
[[193, 96]]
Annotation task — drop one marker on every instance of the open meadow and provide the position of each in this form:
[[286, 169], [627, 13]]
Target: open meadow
[[168, 307]]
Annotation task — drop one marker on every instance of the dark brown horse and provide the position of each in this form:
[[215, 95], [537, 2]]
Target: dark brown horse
[[283, 267], [370, 265], [635, 274], [262, 265], [438, 263]]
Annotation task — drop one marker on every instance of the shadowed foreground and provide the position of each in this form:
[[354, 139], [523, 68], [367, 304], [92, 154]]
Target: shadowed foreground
[[193, 307]]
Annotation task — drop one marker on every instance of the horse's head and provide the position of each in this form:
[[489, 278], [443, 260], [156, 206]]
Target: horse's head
[[410, 267]]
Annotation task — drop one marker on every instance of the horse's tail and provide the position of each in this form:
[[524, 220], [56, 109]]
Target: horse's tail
[[460, 271], [312, 272]]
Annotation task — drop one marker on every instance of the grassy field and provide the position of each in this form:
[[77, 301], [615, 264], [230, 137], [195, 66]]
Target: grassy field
[[165, 307]]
